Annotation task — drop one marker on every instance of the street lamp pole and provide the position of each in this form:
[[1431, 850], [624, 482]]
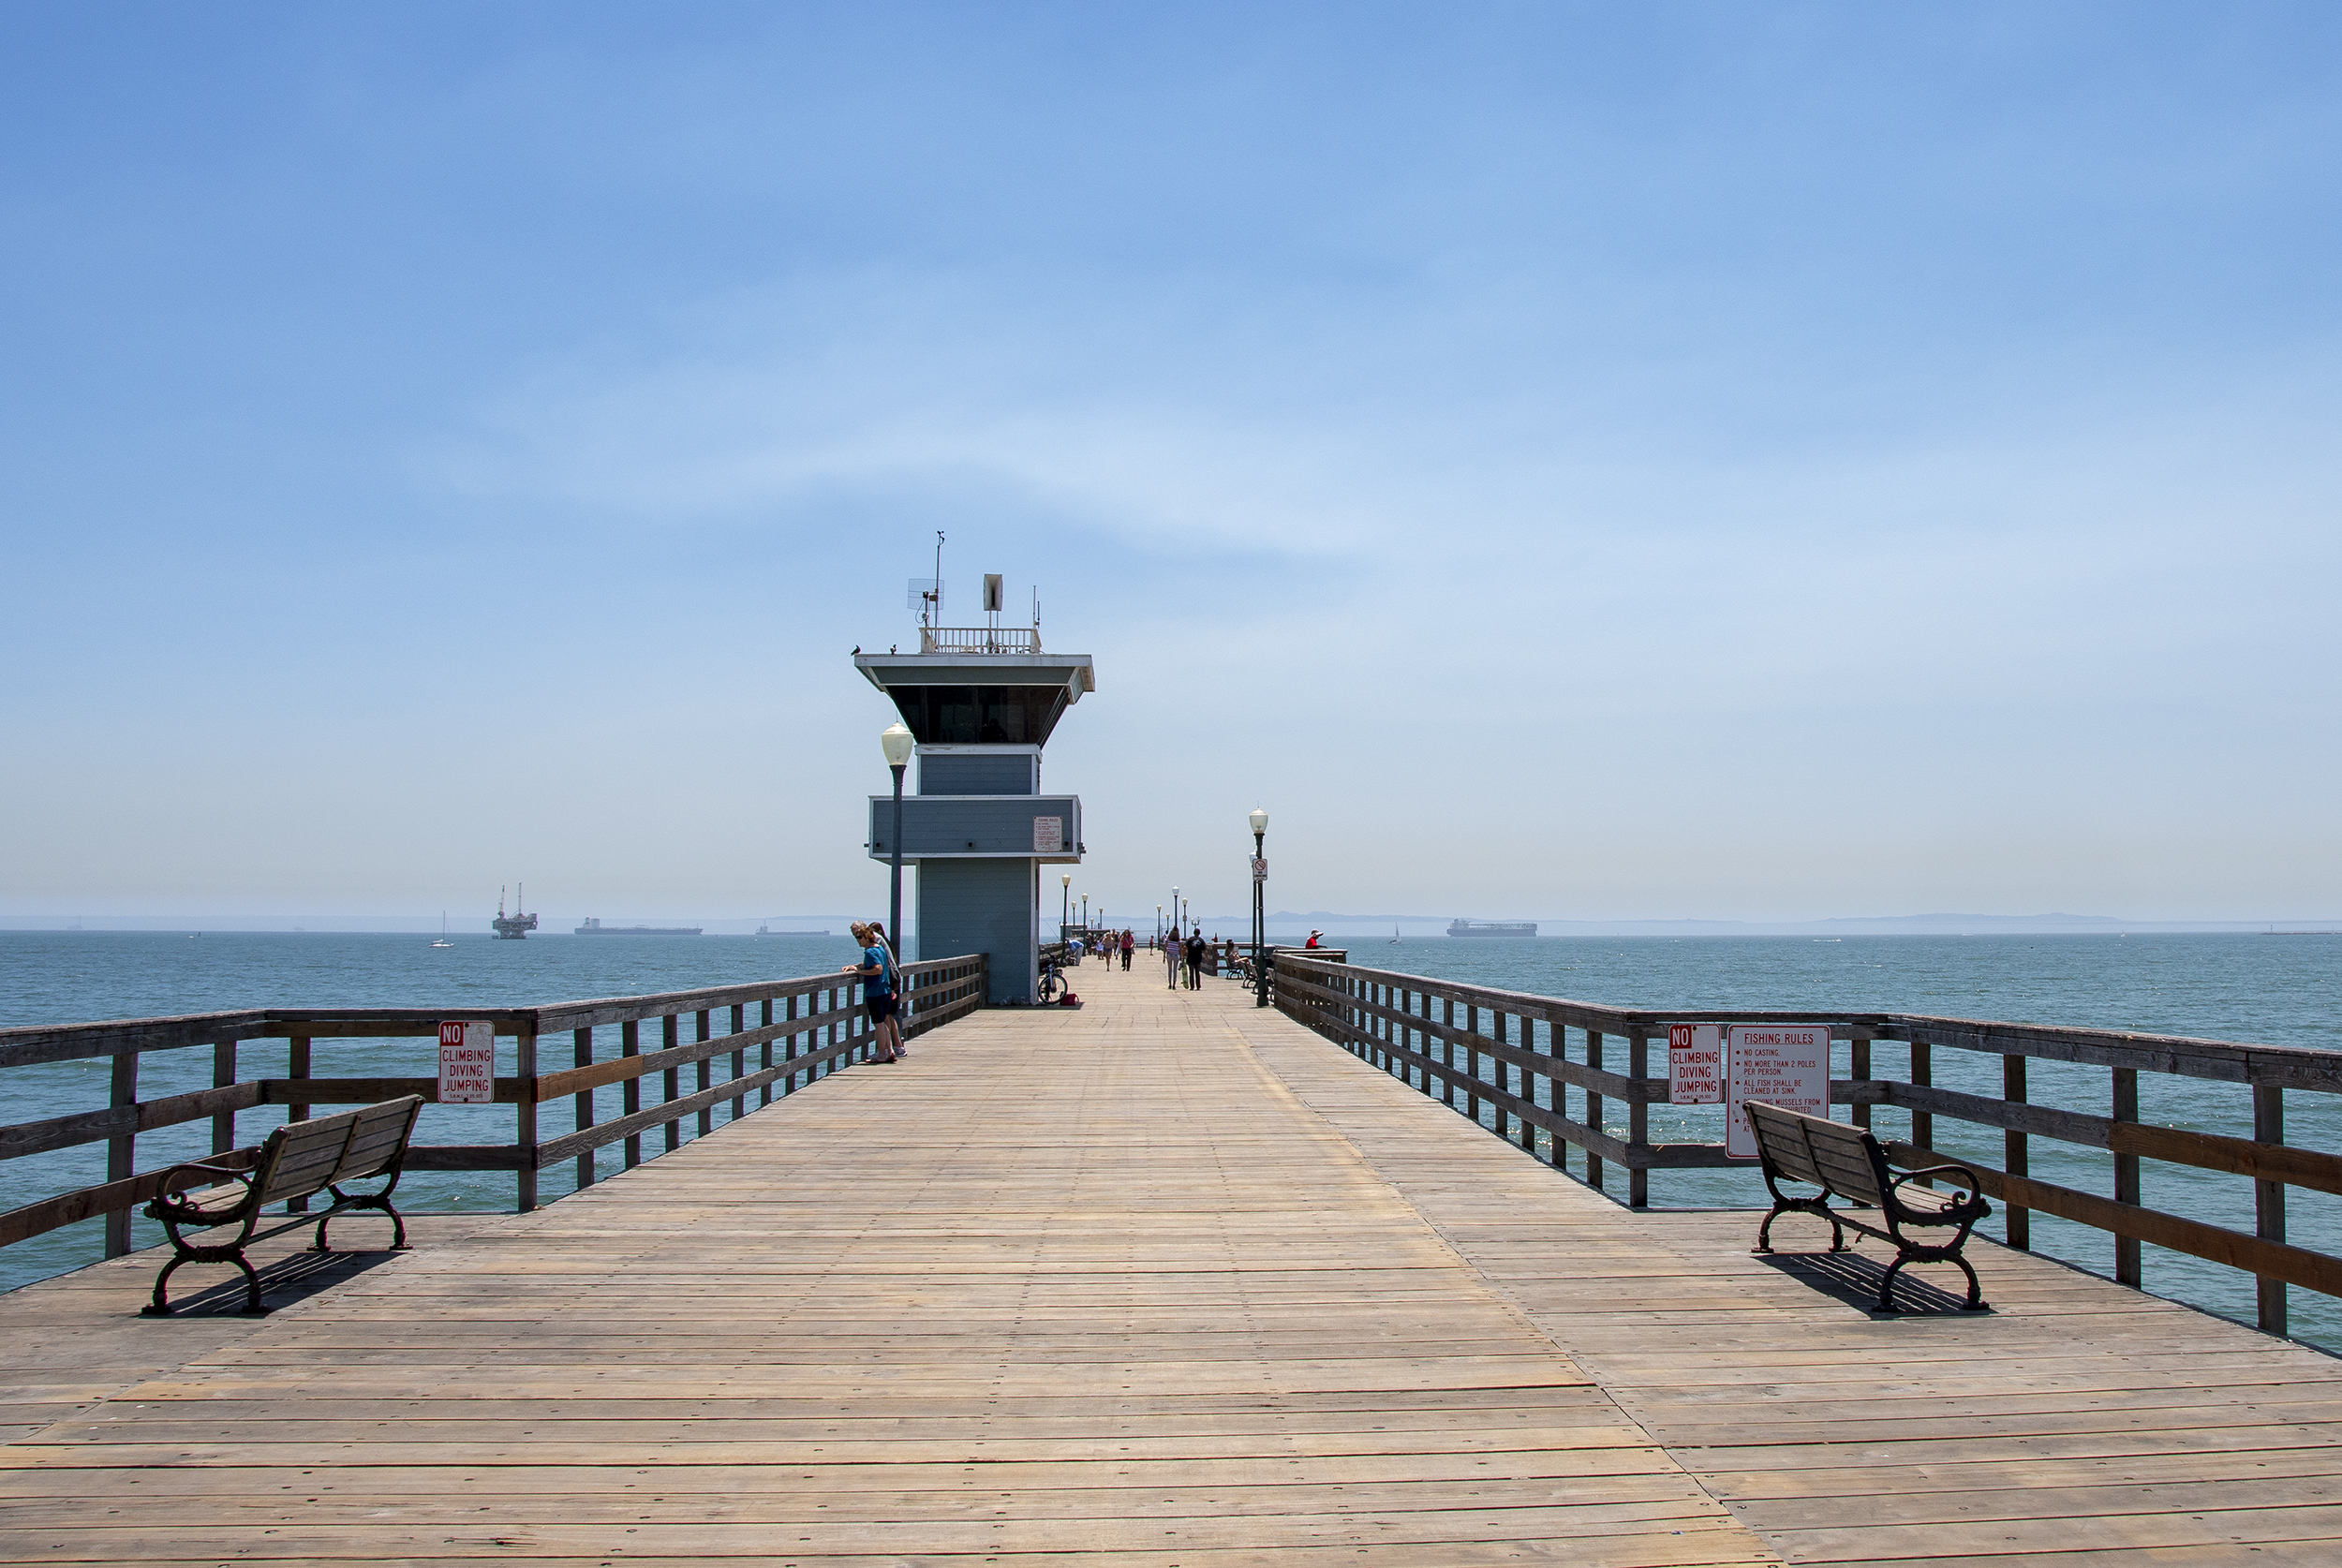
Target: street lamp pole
[[1064, 902], [1259, 820], [898, 743]]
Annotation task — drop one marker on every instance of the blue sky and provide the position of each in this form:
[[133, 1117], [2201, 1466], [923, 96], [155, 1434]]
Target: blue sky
[[1587, 462]]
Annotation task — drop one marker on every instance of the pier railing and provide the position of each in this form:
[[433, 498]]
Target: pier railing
[[1543, 1069], [797, 1030]]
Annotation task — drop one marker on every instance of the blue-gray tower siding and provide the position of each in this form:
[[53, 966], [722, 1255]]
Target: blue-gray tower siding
[[979, 773], [983, 906]]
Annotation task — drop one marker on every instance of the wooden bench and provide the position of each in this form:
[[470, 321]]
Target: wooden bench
[[1848, 1163], [299, 1160]]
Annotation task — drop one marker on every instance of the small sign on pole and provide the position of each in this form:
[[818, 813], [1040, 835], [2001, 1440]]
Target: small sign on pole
[[1695, 1064], [1048, 836], [1260, 869], [467, 1063], [1782, 1064]]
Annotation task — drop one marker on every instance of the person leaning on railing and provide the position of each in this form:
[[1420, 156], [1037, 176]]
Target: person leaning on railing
[[881, 993]]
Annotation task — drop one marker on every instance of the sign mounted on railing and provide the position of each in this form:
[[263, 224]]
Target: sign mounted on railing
[[1695, 1064], [1048, 836], [467, 1063], [1782, 1064]]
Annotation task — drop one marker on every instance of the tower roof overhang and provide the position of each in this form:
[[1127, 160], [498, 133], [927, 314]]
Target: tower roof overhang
[[980, 698]]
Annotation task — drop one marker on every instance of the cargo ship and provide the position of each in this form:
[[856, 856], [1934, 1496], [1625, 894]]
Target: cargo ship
[[1493, 928], [596, 928]]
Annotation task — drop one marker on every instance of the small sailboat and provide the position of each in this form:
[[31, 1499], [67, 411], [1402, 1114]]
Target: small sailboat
[[443, 940], [1394, 935]]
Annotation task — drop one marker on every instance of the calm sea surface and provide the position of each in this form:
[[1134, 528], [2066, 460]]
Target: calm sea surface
[[2282, 990]]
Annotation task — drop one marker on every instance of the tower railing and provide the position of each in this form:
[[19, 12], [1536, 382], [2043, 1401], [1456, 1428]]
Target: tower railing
[[979, 640]]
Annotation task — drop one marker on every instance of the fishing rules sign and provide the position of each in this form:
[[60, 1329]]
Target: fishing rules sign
[[467, 1063], [1782, 1064]]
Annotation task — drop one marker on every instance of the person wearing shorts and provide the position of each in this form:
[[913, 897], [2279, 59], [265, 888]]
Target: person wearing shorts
[[881, 995]]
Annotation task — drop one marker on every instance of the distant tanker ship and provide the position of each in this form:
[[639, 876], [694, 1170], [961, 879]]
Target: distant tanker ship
[[1493, 928], [596, 928]]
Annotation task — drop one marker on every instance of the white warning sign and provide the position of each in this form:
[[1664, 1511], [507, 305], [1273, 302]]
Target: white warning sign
[[1782, 1064], [467, 1063], [1695, 1064]]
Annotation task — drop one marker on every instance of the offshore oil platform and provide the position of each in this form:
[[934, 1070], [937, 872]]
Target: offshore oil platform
[[512, 927]]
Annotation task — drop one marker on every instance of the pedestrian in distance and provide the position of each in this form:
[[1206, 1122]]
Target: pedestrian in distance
[[1194, 960], [1173, 953], [880, 992], [1130, 941]]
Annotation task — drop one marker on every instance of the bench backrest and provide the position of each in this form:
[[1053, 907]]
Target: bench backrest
[[378, 1139], [1832, 1154], [305, 1157]]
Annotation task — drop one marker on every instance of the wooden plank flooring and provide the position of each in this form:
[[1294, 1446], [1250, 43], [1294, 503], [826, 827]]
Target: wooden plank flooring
[[1165, 1280], [2079, 1423]]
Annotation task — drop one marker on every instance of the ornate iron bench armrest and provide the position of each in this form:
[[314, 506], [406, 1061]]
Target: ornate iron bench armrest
[[1961, 1174], [164, 1207]]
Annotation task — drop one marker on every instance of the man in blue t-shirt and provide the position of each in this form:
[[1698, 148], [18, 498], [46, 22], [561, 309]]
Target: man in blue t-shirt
[[880, 992]]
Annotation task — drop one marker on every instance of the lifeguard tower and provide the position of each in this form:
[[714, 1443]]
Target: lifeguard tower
[[981, 702]]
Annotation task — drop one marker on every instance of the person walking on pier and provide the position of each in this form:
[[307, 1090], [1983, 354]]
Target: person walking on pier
[[1194, 960], [880, 993], [1173, 953], [1130, 941]]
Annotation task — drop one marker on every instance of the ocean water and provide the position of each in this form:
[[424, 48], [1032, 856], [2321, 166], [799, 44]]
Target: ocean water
[[2282, 990], [2277, 990]]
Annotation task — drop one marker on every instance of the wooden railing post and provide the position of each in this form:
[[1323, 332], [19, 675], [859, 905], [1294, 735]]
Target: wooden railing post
[[1471, 1061], [670, 1081], [1923, 1074], [223, 1076], [1639, 1119], [524, 1121], [1594, 1111], [1503, 1077], [706, 1076], [740, 1059], [582, 1055], [2013, 1151], [1859, 1069], [1447, 1046], [766, 1063], [296, 1069], [2269, 1203], [789, 1047], [1557, 1091], [630, 1097], [2127, 1264], [122, 1149]]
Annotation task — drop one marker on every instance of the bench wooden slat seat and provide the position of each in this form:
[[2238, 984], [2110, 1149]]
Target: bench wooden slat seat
[[298, 1160], [1847, 1162]]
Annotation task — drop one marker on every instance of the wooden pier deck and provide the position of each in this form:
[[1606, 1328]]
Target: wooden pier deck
[[1166, 1280]]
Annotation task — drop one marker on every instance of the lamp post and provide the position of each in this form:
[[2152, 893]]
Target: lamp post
[[1085, 917], [1259, 820], [898, 743], [1064, 902], [1158, 924]]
